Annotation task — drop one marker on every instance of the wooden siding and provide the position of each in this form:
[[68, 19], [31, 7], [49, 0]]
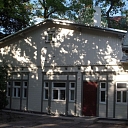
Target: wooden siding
[[58, 107], [110, 99]]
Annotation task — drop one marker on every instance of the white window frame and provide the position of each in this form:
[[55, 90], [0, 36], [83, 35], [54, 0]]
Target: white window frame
[[17, 88], [46, 88], [103, 89], [25, 87], [121, 90], [71, 89], [59, 89]]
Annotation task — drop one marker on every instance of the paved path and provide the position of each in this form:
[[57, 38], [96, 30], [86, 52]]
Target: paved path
[[34, 121]]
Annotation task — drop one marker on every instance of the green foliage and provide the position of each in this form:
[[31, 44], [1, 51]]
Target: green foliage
[[14, 16], [61, 9], [110, 7], [3, 85]]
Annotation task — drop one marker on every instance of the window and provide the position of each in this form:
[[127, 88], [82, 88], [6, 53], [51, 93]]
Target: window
[[121, 92], [9, 88], [72, 91], [25, 84], [102, 92], [58, 91], [16, 89], [49, 37], [46, 85]]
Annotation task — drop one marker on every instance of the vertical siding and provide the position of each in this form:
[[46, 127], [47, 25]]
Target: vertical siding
[[71, 109], [121, 111], [45, 106], [24, 106], [78, 100], [16, 103], [110, 99], [102, 110], [58, 107], [35, 87]]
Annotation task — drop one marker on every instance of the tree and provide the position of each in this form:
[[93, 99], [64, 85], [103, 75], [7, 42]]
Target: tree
[[14, 16], [3, 85], [114, 6], [60, 9]]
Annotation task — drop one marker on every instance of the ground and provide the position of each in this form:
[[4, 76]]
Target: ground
[[16, 120]]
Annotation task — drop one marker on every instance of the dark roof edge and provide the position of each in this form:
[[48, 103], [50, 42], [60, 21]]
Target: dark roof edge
[[116, 31]]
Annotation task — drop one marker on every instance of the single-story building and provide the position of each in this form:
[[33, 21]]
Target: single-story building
[[65, 68]]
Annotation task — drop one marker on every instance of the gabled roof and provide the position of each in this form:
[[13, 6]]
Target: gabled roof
[[65, 22]]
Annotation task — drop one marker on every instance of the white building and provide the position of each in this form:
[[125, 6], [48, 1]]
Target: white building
[[66, 68]]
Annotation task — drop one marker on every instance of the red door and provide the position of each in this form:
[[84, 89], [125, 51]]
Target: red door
[[89, 98]]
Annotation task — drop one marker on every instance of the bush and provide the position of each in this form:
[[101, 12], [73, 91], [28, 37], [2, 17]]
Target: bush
[[3, 86]]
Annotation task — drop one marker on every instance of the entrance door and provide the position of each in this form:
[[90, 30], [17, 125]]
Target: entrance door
[[89, 98]]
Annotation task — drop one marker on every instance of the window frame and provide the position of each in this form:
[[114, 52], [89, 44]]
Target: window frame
[[59, 90], [121, 90], [17, 90], [25, 87], [46, 88], [50, 37], [71, 89], [103, 89]]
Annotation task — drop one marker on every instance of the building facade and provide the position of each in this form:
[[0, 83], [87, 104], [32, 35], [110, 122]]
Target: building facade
[[63, 68]]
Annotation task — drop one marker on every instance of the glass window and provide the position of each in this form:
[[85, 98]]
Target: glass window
[[62, 94], [58, 91], [60, 85], [46, 86], [55, 94], [50, 37], [16, 89], [102, 96], [118, 96], [9, 91], [103, 92], [72, 95], [25, 84], [25, 92], [121, 93], [121, 85], [72, 91], [103, 85], [124, 96]]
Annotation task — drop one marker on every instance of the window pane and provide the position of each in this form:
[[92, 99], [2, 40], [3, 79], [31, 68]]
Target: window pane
[[102, 96], [46, 94], [9, 91], [59, 85], [103, 85], [46, 84], [9, 83], [55, 94], [17, 83], [72, 85], [121, 85], [25, 92], [72, 94], [25, 83], [124, 96], [15, 92], [118, 96], [49, 37], [62, 94], [18, 92]]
